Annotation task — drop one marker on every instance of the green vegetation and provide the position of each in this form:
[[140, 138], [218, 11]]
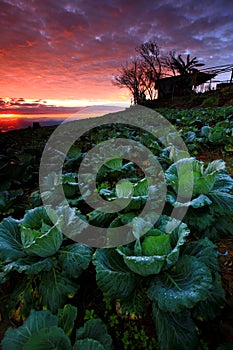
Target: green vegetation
[[43, 330], [157, 292]]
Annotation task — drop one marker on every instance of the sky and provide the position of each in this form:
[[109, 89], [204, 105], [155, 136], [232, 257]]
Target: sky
[[66, 52]]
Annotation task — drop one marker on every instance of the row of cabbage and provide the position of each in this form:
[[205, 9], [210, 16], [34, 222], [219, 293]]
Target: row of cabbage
[[204, 128], [170, 264]]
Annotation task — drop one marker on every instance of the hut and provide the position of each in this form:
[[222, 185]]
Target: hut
[[181, 85]]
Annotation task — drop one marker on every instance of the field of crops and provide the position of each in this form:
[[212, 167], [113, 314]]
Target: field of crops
[[169, 287]]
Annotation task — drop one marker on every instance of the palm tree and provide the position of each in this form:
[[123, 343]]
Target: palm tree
[[185, 68]]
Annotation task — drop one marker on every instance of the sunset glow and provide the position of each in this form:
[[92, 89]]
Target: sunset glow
[[65, 53], [7, 115], [80, 103]]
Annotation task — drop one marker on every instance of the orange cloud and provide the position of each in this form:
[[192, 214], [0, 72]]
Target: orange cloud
[[70, 50]]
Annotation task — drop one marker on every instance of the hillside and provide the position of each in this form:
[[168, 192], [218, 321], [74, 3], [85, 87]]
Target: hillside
[[213, 98]]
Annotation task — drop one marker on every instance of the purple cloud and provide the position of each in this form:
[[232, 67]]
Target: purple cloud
[[71, 49]]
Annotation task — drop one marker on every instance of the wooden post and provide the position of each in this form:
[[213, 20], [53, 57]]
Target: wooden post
[[231, 75]]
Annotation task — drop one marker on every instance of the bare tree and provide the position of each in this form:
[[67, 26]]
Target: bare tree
[[140, 75], [148, 81], [131, 77], [168, 63], [151, 55]]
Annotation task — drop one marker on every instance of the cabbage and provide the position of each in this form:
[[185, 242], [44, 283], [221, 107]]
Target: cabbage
[[159, 248]]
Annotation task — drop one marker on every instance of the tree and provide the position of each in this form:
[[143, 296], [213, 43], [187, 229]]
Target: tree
[[131, 77], [168, 62], [140, 74], [150, 53], [148, 81], [177, 64]]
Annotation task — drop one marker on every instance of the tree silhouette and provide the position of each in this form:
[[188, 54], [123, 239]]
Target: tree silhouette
[[185, 68], [140, 74], [151, 56], [143, 73], [130, 76]]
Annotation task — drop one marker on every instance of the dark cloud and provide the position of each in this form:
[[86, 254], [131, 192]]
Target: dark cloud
[[71, 48], [20, 106]]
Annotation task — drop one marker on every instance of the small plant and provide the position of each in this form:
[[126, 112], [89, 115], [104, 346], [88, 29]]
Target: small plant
[[89, 315], [127, 328], [135, 337]]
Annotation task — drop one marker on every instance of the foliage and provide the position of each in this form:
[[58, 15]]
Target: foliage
[[180, 292], [128, 329], [204, 128], [212, 201], [159, 247], [170, 266], [43, 330], [35, 248], [184, 68], [135, 338]]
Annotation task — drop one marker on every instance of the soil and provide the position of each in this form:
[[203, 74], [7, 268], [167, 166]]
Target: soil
[[225, 248]]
